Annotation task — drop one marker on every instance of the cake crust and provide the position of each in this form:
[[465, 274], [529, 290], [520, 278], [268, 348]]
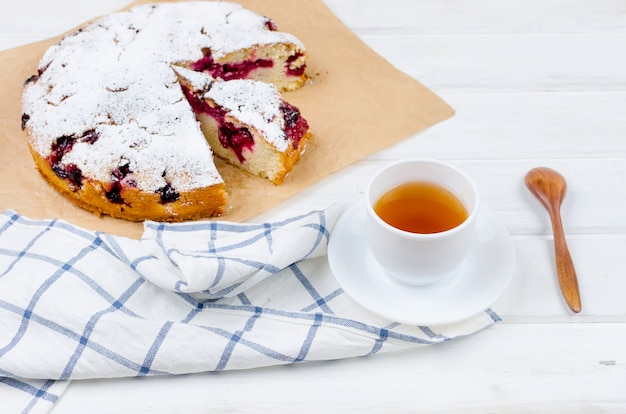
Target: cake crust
[[138, 205]]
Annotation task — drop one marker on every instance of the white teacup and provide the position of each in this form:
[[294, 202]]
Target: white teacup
[[421, 258]]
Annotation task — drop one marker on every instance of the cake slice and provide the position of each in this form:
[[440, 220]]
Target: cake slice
[[247, 123]]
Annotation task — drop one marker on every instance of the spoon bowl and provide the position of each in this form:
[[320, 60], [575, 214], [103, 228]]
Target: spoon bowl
[[549, 187]]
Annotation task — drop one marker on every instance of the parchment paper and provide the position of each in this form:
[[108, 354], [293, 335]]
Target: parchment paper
[[356, 103]]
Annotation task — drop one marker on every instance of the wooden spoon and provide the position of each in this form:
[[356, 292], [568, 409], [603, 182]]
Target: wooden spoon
[[550, 187]]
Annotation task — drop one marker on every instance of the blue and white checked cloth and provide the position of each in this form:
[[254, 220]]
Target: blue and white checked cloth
[[190, 297]]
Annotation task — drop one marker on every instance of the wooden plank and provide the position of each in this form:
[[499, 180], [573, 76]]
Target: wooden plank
[[526, 125], [507, 368], [508, 63], [481, 16]]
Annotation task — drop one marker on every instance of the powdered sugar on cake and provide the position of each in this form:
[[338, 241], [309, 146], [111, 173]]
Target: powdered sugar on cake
[[115, 78], [261, 111], [254, 103]]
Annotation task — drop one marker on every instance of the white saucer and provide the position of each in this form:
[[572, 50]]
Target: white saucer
[[476, 285]]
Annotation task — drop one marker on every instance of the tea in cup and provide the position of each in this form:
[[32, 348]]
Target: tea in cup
[[421, 219]]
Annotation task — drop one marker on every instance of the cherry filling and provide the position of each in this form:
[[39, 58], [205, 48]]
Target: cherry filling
[[270, 25], [36, 77], [25, 118], [62, 146], [114, 194], [229, 135], [90, 136], [295, 125], [297, 71], [229, 71], [168, 194], [33, 78], [121, 176], [236, 139], [70, 172]]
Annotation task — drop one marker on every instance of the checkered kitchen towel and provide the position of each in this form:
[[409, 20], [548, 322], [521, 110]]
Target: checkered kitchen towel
[[190, 297]]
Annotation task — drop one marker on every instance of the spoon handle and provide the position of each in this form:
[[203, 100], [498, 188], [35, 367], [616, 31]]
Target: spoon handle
[[564, 265]]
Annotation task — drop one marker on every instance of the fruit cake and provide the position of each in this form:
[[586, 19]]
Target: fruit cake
[[111, 126], [247, 123]]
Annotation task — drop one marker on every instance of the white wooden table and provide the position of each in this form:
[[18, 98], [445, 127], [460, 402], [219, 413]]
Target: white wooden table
[[536, 82]]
